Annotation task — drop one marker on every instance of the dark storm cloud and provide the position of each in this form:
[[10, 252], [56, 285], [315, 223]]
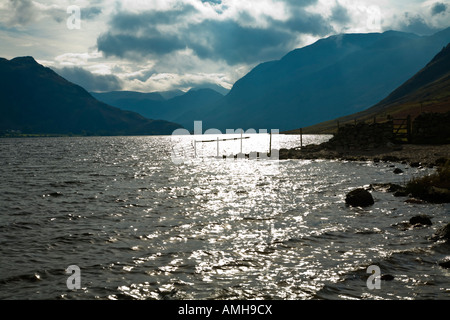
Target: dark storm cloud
[[90, 12], [416, 24], [21, 12], [299, 4], [155, 33], [340, 14], [308, 23], [123, 45], [127, 21], [138, 34], [233, 43], [217, 40], [305, 22], [90, 81], [438, 7], [212, 1]]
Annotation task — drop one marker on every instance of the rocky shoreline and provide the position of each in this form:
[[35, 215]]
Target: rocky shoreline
[[412, 154], [362, 197], [378, 142]]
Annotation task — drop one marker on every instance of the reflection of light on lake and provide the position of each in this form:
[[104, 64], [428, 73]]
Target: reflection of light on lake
[[147, 228], [186, 148]]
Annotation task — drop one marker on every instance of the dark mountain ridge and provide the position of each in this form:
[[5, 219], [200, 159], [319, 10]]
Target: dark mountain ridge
[[183, 109], [333, 77], [35, 99]]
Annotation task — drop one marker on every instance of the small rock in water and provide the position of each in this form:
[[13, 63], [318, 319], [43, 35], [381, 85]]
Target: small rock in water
[[403, 226], [386, 187], [359, 198], [387, 277], [445, 263], [55, 194], [398, 171], [420, 219], [414, 164]]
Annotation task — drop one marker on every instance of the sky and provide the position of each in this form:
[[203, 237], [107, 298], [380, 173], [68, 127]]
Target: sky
[[155, 45]]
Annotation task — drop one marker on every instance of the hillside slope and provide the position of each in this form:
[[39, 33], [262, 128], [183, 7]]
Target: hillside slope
[[427, 91], [183, 109], [333, 77], [34, 99]]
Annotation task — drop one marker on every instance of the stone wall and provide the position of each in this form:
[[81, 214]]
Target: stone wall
[[363, 136], [431, 128]]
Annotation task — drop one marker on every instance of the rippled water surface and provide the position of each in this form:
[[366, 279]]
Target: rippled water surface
[[140, 226]]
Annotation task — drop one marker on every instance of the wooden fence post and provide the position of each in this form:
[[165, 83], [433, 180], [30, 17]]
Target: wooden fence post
[[301, 137], [270, 144]]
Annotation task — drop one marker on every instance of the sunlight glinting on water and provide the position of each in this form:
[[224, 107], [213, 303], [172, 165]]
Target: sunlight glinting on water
[[147, 228]]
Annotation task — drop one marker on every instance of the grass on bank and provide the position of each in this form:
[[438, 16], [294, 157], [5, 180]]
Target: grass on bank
[[434, 187]]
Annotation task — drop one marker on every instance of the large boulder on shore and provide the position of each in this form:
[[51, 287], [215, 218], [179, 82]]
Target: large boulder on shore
[[359, 198]]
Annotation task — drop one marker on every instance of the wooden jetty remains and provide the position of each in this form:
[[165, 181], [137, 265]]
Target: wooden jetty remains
[[240, 155]]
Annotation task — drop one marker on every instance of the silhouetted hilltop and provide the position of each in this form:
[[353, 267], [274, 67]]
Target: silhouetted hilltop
[[34, 99]]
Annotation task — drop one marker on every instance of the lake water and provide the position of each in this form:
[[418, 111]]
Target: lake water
[[140, 226]]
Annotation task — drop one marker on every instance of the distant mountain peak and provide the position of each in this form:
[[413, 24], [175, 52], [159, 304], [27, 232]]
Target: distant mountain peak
[[203, 90], [211, 86], [25, 60]]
